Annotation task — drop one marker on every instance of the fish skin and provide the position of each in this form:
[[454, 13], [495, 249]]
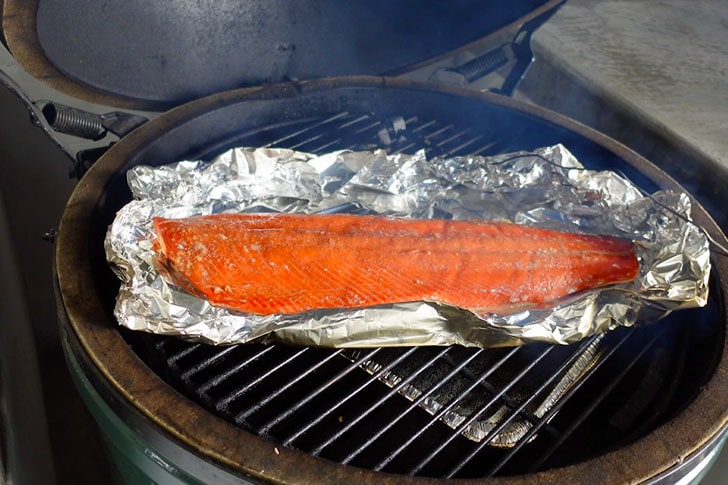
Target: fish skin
[[291, 263]]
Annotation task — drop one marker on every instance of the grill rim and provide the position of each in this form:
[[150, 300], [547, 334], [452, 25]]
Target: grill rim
[[102, 347]]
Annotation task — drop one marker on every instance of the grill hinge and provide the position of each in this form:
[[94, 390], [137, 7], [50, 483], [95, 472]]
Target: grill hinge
[[496, 63]]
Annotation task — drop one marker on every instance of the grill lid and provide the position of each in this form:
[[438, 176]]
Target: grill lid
[[147, 55]]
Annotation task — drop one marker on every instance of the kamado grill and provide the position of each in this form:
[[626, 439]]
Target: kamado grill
[[642, 404]]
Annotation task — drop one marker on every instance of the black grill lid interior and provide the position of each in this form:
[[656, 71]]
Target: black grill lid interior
[[166, 53]]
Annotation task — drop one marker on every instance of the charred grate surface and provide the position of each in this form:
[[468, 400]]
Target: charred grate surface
[[333, 404], [443, 411], [395, 134]]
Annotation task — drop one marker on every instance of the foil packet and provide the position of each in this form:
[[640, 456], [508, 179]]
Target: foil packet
[[548, 187]]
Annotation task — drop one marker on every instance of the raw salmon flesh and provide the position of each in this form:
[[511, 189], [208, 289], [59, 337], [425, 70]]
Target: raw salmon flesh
[[291, 263]]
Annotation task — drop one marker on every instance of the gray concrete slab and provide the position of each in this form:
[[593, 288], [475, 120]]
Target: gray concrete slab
[[664, 59]]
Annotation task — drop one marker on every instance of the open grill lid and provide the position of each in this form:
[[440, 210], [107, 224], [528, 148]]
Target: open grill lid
[[150, 56]]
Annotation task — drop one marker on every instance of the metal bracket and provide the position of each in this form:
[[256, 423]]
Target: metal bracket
[[84, 124], [498, 69], [90, 126], [83, 136]]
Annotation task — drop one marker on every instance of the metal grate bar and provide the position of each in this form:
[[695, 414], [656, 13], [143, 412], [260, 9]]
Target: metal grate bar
[[462, 146], [172, 360], [223, 376], [324, 147], [424, 126], [439, 132], [558, 372], [261, 377], [532, 419], [314, 126], [404, 148], [411, 120], [593, 404], [394, 391], [292, 409], [546, 418], [476, 415], [262, 402], [373, 378], [412, 406], [351, 123], [506, 400], [425, 139], [206, 363], [485, 148], [217, 380], [326, 144], [297, 146], [449, 139], [321, 137], [368, 127], [437, 417], [442, 144]]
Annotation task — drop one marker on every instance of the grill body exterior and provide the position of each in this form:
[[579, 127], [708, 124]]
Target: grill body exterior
[[171, 433]]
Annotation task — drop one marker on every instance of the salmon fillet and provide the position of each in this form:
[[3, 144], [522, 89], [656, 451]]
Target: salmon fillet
[[291, 263]]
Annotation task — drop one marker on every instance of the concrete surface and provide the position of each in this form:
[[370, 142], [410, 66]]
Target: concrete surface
[[667, 59], [651, 74]]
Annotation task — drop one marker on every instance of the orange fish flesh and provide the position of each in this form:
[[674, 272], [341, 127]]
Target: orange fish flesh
[[291, 263]]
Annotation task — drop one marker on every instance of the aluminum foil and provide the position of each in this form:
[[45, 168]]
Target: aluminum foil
[[545, 188]]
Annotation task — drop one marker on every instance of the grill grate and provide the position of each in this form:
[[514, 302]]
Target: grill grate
[[323, 402], [413, 410], [397, 135]]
